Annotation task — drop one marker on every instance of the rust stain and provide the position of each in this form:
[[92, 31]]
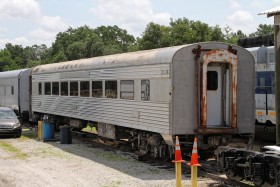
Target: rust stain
[[233, 105], [219, 56]]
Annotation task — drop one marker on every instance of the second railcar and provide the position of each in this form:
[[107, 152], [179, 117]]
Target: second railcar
[[15, 91], [149, 97], [265, 92]]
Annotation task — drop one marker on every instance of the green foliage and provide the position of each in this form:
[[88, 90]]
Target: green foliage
[[5, 59], [115, 37], [263, 30], [85, 42], [155, 36]]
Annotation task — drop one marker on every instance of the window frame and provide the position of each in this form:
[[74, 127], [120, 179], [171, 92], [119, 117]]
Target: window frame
[[145, 92], [124, 97]]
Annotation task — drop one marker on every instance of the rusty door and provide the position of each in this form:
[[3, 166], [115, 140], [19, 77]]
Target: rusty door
[[214, 95], [219, 83]]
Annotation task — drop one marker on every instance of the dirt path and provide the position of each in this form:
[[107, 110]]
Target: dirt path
[[29, 162]]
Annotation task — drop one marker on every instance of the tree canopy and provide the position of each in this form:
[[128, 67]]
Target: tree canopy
[[86, 42]]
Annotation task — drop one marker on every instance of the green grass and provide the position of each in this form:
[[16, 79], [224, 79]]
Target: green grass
[[28, 134], [9, 148]]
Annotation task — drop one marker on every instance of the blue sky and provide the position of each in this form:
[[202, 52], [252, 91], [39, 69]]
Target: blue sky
[[28, 22]]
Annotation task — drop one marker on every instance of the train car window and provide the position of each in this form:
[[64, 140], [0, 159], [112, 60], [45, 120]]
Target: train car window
[[111, 89], [127, 89], [145, 90], [84, 88], [40, 88], [73, 88], [265, 82], [97, 89], [12, 90], [64, 88], [212, 80], [47, 88], [55, 88], [271, 57]]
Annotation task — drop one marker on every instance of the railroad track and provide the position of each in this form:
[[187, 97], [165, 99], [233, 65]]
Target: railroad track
[[208, 168]]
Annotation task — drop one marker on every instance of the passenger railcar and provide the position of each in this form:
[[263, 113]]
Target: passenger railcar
[[15, 91], [264, 90], [149, 97]]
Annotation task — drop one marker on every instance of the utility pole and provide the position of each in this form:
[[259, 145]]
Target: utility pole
[[276, 13]]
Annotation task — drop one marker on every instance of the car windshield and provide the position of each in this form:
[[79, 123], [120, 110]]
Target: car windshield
[[7, 114]]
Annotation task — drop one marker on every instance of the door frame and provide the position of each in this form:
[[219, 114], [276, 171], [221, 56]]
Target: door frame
[[219, 56]]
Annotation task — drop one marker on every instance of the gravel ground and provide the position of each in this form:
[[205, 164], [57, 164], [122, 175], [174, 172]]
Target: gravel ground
[[29, 162]]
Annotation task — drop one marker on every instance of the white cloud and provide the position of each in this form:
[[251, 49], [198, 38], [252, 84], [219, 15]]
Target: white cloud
[[16, 41], [242, 20], [54, 23], [47, 30], [14, 9], [234, 4], [132, 15], [257, 4]]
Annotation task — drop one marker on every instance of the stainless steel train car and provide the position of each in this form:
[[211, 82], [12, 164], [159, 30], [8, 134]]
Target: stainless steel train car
[[264, 91], [15, 91], [149, 97]]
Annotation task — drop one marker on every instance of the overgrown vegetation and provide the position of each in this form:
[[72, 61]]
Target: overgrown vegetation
[[86, 42], [9, 148]]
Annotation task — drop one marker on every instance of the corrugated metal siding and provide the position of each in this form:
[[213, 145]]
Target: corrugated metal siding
[[134, 72], [148, 71], [151, 116], [145, 115]]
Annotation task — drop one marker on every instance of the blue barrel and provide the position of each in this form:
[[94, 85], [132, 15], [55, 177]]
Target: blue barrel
[[48, 130]]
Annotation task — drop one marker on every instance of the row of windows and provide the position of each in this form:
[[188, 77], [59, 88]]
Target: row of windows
[[7, 90], [72, 88]]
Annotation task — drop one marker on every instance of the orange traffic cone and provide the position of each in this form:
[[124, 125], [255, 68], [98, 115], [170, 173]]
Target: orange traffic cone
[[178, 156], [194, 158]]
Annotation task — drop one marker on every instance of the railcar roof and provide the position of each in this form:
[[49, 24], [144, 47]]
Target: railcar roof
[[11, 74], [154, 56]]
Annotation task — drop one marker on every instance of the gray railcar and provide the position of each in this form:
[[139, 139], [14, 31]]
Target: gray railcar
[[15, 90], [148, 97]]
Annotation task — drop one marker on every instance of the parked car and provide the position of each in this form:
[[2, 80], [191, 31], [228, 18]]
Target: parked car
[[9, 123]]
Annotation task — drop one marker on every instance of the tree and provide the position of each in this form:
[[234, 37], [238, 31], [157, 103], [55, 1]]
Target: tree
[[155, 36], [75, 40], [115, 39], [76, 50], [5, 59], [263, 30]]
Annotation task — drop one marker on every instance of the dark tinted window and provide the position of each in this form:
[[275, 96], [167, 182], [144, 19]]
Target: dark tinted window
[[97, 89], [265, 82], [12, 90], [47, 88], [64, 88], [40, 88], [111, 89], [212, 80], [55, 88], [84, 88], [73, 88]]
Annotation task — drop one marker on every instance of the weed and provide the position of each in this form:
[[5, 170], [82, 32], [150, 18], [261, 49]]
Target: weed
[[9, 148]]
